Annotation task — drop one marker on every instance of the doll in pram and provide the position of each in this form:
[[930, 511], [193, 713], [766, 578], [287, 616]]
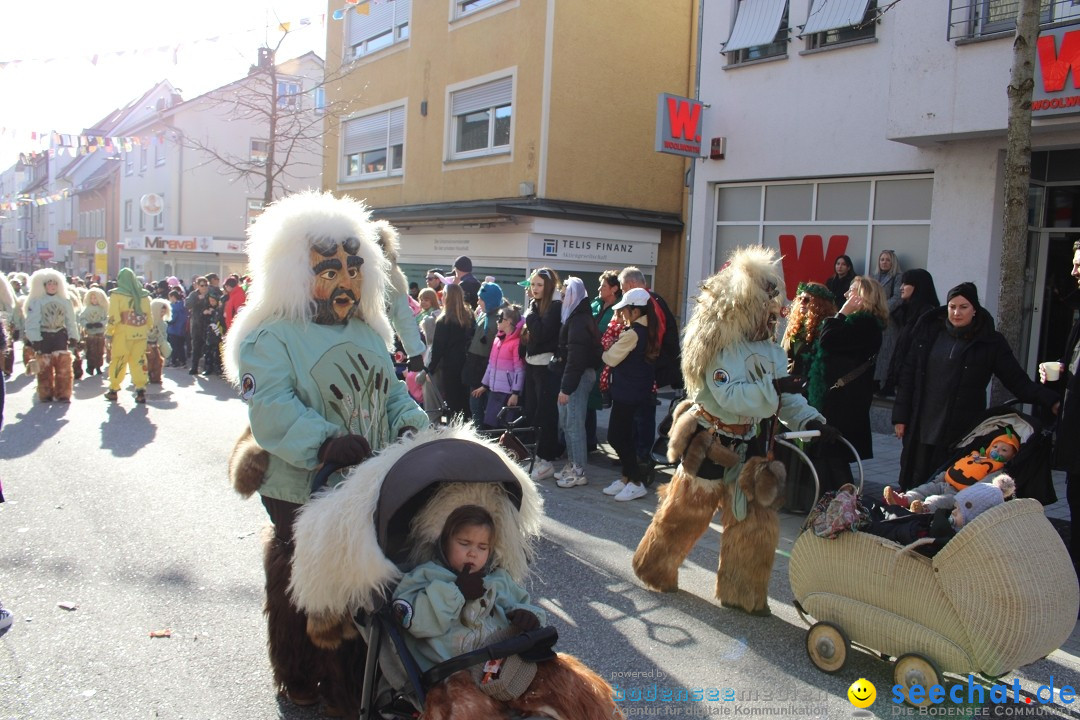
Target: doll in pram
[[353, 543]]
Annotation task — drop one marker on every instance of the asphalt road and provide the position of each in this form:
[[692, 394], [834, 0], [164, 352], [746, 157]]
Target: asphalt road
[[124, 513]]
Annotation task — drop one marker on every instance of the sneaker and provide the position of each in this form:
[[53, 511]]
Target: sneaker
[[542, 469], [575, 478], [6, 618], [567, 471], [140, 396], [111, 395], [615, 487], [631, 492]]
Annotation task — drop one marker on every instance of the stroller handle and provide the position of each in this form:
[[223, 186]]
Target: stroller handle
[[784, 438], [323, 475]]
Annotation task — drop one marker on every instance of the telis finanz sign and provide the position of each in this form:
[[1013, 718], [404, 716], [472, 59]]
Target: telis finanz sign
[[678, 125], [1057, 72]]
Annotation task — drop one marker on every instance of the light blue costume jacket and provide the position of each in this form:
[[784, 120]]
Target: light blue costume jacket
[[439, 624], [305, 383], [50, 313]]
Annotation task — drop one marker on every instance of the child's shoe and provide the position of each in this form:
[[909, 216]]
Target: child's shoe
[[111, 395], [918, 506], [140, 396], [895, 498]]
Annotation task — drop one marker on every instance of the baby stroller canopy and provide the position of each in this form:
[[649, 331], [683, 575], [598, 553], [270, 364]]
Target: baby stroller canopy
[[416, 475]]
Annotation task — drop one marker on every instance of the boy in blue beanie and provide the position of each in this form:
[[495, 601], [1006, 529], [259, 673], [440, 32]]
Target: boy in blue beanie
[[476, 359]]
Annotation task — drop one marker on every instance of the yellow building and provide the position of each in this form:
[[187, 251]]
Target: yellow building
[[519, 133]]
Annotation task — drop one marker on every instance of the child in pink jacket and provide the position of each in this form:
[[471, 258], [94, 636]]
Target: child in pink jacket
[[505, 375]]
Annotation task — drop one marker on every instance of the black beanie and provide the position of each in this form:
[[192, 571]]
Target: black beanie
[[968, 291]]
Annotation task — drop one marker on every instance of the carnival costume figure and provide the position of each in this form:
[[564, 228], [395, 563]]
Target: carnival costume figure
[[92, 320], [157, 344], [7, 313], [736, 376], [310, 354], [128, 326], [51, 328]]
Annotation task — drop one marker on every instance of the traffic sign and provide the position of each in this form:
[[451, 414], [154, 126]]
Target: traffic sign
[[45, 254]]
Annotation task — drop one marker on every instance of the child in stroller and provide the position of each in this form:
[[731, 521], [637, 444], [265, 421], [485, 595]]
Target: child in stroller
[[389, 514]]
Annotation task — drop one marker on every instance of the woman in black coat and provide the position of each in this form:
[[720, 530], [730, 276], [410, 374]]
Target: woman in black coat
[[540, 341], [453, 330], [918, 297], [955, 352], [843, 274], [847, 348]]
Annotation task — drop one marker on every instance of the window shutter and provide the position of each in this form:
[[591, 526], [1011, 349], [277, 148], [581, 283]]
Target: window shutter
[[397, 125], [365, 133], [833, 14], [482, 97], [756, 23], [380, 19]]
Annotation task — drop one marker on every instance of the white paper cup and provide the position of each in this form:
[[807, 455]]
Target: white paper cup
[[1052, 370]]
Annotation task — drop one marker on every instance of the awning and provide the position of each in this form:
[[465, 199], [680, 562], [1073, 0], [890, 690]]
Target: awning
[[833, 14], [756, 23]]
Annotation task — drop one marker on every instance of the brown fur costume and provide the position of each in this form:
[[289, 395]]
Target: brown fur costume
[[154, 363], [247, 464], [735, 305], [54, 376], [95, 353]]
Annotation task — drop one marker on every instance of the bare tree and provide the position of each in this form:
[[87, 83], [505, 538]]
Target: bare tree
[[1017, 176], [294, 125]]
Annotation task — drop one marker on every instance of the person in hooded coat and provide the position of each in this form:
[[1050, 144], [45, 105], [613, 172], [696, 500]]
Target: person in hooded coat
[[955, 352]]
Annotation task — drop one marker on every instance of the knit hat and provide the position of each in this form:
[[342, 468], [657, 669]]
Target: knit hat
[[968, 291], [1009, 438], [464, 264], [978, 498], [492, 295]]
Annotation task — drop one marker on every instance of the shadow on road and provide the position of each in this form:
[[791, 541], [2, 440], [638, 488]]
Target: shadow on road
[[24, 433], [124, 432]]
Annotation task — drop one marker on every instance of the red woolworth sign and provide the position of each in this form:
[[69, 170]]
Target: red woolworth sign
[[811, 263], [678, 125], [1057, 57]]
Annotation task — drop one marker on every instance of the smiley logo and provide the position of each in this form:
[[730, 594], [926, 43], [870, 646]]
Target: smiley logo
[[862, 693]]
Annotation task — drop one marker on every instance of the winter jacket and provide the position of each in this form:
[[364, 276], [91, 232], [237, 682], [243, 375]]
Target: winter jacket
[[233, 302], [92, 319], [1066, 452], [52, 314], [195, 305], [543, 330], [506, 370], [669, 363], [985, 356], [448, 349], [178, 324], [483, 337], [845, 344], [579, 346], [632, 376]]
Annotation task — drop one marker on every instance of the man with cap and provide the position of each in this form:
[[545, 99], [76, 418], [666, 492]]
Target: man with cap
[[955, 351], [469, 284]]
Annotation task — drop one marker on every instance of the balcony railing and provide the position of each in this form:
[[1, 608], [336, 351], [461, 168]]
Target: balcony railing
[[980, 18]]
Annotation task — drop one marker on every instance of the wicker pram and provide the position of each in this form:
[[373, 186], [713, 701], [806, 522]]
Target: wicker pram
[[1001, 594]]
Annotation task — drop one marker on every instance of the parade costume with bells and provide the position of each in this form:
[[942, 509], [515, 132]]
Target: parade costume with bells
[[128, 325], [736, 376], [51, 328], [310, 355]]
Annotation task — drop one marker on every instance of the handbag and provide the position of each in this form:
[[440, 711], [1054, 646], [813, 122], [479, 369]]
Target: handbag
[[512, 445]]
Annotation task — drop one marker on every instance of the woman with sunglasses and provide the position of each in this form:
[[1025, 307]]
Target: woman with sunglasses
[[542, 324]]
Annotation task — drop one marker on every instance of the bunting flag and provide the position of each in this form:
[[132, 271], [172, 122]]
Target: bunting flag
[[54, 144], [360, 6], [12, 202]]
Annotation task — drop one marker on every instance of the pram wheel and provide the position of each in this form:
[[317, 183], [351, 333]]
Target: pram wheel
[[914, 669], [828, 647]]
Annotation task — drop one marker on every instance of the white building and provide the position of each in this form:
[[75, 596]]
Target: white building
[[851, 132], [203, 172]]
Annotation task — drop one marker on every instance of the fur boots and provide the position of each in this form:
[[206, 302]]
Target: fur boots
[[154, 363], [54, 376], [95, 354]]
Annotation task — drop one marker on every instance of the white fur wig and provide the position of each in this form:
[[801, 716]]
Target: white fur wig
[[23, 280], [278, 249], [338, 565], [387, 237], [161, 309], [7, 295], [102, 298], [42, 276], [732, 305]]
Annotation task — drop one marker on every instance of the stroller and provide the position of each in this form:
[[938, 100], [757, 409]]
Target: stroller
[[354, 541], [999, 595]]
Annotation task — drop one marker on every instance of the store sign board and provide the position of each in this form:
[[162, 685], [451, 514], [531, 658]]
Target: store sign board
[[183, 243], [1057, 73], [616, 253], [678, 125]]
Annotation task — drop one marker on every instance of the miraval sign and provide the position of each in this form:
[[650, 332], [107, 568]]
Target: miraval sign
[[1058, 58], [177, 243]]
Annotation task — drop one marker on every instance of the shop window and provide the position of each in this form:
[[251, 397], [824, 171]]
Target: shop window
[[735, 204], [843, 201], [374, 145], [903, 199], [371, 26], [788, 202]]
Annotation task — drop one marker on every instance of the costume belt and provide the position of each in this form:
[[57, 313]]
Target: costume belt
[[736, 431]]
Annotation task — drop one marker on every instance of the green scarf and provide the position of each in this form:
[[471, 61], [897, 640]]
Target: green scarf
[[128, 284]]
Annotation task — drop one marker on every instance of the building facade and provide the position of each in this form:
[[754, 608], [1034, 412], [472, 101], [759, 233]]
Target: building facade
[[851, 131], [517, 132]]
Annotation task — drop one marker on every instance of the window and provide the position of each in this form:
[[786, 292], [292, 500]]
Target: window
[[374, 145], [480, 118], [372, 26], [760, 31], [159, 149], [466, 7], [159, 219], [144, 156], [834, 23], [288, 94], [129, 163], [254, 210], [976, 18], [260, 151], [142, 220], [127, 214], [318, 96]]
